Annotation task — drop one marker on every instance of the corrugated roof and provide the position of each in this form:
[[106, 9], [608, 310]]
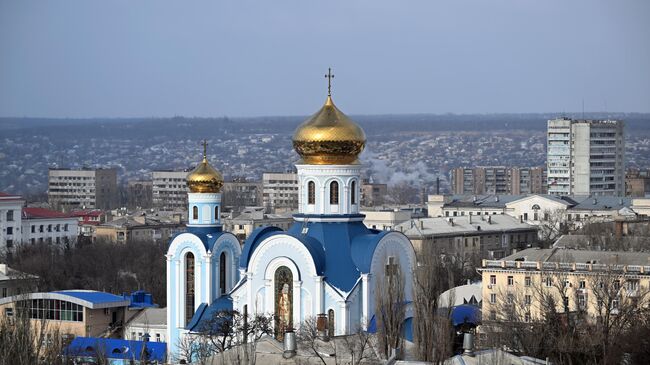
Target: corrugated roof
[[36, 213], [95, 297]]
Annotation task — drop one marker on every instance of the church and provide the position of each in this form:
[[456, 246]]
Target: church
[[326, 264]]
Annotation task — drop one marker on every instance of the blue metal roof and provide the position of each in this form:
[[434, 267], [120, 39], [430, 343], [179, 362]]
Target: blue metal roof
[[341, 250], [116, 349], [95, 297], [466, 314], [207, 235], [205, 313]]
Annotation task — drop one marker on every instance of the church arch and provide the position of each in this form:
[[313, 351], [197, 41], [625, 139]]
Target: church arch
[[189, 268], [334, 193], [353, 192], [311, 193], [216, 214], [223, 267], [283, 300], [195, 212], [330, 323]]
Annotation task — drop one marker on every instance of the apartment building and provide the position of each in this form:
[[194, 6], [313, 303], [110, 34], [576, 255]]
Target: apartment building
[[241, 193], [585, 157], [169, 190], [82, 189], [490, 236], [498, 180], [41, 225], [637, 183], [373, 194], [280, 191], [593, 282], [139, 194], [252, 218], [10, 219]]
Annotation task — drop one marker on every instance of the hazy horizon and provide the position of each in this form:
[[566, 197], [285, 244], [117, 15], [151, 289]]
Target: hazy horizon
[[91, 59]]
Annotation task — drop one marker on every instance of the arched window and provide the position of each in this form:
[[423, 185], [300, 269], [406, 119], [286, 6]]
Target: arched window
[[283, 301], [334, 192], [311, 192], [195, 212], [353, 193], [330, 323], [189, 287], [222, 273]]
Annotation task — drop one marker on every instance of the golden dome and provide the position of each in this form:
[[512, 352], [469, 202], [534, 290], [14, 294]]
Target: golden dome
[[329, 137], [204, 178]]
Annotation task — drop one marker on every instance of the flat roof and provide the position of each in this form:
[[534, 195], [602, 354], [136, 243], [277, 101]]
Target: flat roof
[[88, 298]]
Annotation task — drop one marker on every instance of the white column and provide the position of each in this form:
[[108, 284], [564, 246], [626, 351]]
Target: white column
[[365, 300], [269, 304], [297, 284], [170, 306], [320, 208], [318, 296], [180, 285], [343, 325], [345, 204], [208, 285]]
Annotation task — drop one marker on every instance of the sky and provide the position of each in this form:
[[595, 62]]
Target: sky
[[159, 58]]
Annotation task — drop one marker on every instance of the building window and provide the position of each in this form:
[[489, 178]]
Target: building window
[[330, 323], [527, 281], [632, 285], [40, 228], [4, 292], [582, 284], [189, 287], [527, 317], [493, 280], [617, 285], [10, 216], [216, 213], [353, 193], [9, 312], [493, 315], [334, 193], [33, 229], [157, 337], [510, 298], [311, 193], [10, 230], [548, 281], [511, 281], [195, 212], [493, 298], [527, 299], [222, 273]]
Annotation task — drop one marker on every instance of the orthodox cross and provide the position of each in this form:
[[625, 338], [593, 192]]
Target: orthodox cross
[[329, 78], [205, 148], [391, 267]]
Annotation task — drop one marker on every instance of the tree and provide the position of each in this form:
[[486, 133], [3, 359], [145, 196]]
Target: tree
[[553, 225], [390, 309]]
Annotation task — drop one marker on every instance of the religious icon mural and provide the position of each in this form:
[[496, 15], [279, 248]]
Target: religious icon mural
[[283, 301]]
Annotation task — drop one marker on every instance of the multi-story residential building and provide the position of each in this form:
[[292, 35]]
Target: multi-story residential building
[[41, 225], [10, 219], [280, 191], [489, 236], [139, 228], [139, 194], [254, 217], [498, 180], [373, 194], [169, 190], [589, 281], [82, 189], [637, 183], [242, 193], [585, 157]]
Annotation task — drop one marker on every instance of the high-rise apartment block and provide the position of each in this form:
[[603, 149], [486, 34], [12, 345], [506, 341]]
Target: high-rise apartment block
[[585, 157], [170, 190], [498, 180], [280, 191], [83, 189]]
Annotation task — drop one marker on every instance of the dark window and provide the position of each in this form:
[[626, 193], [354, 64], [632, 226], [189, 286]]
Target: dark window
[[311, 193], [222, 273], [334, 192], [330, 323], [195, 212], [216, 213], [353, 193], [189, 287]]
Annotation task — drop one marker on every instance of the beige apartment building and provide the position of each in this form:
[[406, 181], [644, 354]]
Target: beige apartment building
[[280, 191], [169, 190], [82, 189], [591, 282]]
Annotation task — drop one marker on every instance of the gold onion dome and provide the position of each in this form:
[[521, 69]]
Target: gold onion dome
[[204, 178], [329, 137]]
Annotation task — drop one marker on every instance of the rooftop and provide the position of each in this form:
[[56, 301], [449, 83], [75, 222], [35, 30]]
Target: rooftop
[[461, 225], [566, 255], [42, 213]]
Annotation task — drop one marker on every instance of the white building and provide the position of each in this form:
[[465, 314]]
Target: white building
[[10, 222], [586, 157], [385, 219], [41, 225], [83, 189], [280, 191], [169, 190], [150, 321], [14, 282]]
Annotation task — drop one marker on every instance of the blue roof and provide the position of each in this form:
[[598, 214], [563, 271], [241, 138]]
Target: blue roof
[[341, 250], [465, 314], [205, 313], [95, 297], [116, 349], [207, 235]]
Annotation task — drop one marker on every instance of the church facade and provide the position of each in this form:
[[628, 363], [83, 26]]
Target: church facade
[[327, 263]]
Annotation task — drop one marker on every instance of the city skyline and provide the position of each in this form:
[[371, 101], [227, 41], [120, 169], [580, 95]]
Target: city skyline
[[138, 60]]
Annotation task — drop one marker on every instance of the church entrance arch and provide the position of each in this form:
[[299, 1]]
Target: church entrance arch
[[283, 291]]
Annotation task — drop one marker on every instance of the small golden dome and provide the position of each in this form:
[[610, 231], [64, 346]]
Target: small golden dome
[[329, 137], [204, 178]]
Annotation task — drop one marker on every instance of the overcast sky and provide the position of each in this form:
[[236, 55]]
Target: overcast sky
[[252, 58]]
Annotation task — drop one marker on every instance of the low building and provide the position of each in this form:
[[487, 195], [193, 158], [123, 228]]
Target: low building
[[254, 217], [373, 194], [88, 220], [14, 282], [93, 350], [150, 324], [385, 219], [42, 225], [491, 236], [577, 279], [140, 228]]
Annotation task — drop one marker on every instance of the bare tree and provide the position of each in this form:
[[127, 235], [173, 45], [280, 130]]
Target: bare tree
[[553, 225], [390, 309]]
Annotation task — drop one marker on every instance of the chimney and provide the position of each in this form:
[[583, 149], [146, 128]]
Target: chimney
[[289, 344], [496, 198], [468, 344]]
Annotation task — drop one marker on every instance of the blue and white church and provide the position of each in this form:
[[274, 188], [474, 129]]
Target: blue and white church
[[326, 264]]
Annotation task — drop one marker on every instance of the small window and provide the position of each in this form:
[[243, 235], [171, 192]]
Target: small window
[[334, 192], [528, 299], [195, 212], [216, 213], [527, 281], [511, 281], [353, 193], [493, 280], [493, 298], [311, 193]]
